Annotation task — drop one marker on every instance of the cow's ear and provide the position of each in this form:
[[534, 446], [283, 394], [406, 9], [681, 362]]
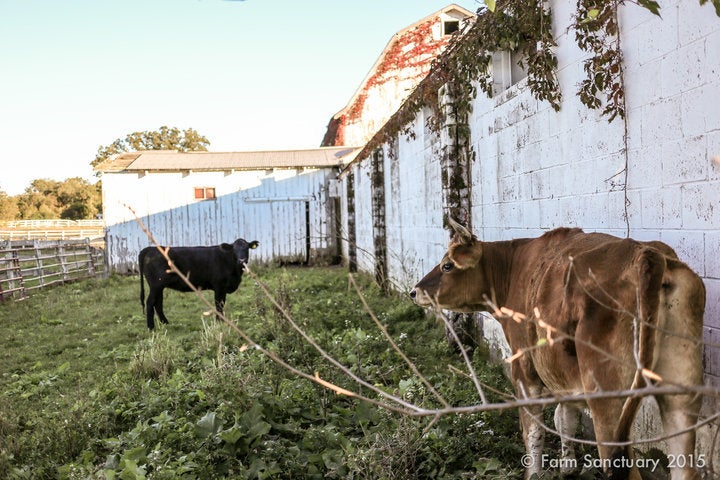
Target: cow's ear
[[254, 244], [460, 233], [465, 255]]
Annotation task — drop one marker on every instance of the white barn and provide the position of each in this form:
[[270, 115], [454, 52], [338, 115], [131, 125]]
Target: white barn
[[285, 199]]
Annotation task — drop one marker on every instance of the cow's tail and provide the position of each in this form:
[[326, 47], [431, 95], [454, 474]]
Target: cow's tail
[[650, 266], [141, 262]]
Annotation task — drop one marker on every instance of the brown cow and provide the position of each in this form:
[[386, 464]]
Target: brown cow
[[591, 287]]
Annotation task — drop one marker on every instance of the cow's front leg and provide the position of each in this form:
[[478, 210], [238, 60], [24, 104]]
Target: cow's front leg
[[219, 303], [534, 438]]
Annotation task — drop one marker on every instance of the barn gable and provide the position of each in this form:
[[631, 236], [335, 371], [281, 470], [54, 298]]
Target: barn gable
[[403, 63]]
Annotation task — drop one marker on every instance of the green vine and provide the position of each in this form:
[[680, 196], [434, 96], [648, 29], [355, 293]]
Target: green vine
[[521, 27], [524, 28], [597, 32]]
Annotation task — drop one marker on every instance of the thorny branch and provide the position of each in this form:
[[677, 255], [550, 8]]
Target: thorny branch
[[393, 403], [313, 378]]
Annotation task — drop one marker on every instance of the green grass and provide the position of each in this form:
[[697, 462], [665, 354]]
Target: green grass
[[87, 392]]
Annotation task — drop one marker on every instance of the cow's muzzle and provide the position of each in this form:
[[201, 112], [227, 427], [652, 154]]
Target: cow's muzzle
[[420, 297]]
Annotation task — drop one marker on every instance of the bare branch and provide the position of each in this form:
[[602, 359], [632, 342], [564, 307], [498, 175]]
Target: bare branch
[[394, 403], [387, 336]]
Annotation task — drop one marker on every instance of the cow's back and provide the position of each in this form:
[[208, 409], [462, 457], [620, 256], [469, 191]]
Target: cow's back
[[590, 287]]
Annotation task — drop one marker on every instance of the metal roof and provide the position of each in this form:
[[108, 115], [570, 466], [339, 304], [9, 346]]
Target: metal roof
[[172, 160]]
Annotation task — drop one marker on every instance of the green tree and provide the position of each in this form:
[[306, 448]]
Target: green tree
[[73, 199], [78, 199], [8, 207], [39, 200], [165, 138]]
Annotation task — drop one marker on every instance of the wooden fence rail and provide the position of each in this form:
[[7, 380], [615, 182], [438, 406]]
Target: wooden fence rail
[[57, 229], [26, 266], [50, 234]]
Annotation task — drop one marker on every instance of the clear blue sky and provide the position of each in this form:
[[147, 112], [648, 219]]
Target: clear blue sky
[[256, 74]]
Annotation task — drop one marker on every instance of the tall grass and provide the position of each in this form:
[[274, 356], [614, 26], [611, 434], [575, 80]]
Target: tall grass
[[87, 392]]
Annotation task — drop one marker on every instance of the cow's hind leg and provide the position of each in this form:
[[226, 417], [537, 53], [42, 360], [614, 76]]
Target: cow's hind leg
[[680, 363], [159, 308], [154, 304], [567, 419], [617, 462], [680, 413], [150, 308]]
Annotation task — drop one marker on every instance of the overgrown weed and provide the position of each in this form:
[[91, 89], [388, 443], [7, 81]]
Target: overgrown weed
[[194, 400], [154, 357]]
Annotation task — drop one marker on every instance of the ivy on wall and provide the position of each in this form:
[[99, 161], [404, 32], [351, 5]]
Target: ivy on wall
[[522, 27], [597, 31], [518, 25]]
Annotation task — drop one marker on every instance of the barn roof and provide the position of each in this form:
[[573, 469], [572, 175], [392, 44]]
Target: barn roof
[[172, 160]]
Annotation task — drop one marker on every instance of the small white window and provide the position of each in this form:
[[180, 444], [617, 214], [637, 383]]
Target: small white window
[[507, 70], [450, 26]]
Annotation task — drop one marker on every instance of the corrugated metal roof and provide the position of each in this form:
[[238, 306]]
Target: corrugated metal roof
[[118, 162], [172, 160]]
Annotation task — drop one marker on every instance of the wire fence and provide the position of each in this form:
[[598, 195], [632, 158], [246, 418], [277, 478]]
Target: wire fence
[[29, 265]]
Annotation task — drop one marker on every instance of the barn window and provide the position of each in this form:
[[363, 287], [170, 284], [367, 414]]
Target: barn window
[[204, 193], [451, 26], [508, 69]]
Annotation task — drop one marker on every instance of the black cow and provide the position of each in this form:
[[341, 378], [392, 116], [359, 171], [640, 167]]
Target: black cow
[[218, 268]]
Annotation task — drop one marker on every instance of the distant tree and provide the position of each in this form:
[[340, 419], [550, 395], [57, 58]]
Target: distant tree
[[72, 199], [165, 138], [8, 207], [78, 199], [39, 200]]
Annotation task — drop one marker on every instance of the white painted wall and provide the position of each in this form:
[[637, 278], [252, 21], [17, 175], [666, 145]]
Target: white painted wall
[[536, 169], [255, 205]]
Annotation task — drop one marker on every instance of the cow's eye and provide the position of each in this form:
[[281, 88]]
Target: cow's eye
[[447, 267]]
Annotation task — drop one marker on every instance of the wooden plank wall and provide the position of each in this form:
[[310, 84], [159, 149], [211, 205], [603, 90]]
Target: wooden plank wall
[[286, 215]]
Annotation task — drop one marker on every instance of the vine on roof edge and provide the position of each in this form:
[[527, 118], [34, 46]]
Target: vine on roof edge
[[523, 27]]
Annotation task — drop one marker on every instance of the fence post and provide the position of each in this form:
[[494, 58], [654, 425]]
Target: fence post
[[91, 259], [60, 249], [7, 262], [39, 263], [15, 276]]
